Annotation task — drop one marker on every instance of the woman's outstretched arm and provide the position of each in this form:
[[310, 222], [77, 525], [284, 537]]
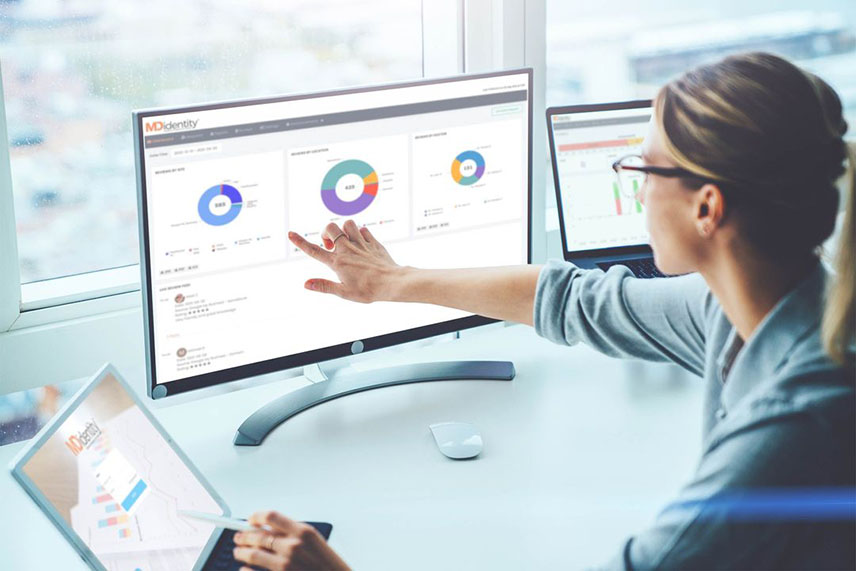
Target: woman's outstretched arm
[[368, 273]]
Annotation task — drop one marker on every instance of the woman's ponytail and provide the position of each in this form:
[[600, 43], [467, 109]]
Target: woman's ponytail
[[839, 316]]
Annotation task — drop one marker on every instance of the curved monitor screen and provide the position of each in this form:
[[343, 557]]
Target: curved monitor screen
[[439, 171]]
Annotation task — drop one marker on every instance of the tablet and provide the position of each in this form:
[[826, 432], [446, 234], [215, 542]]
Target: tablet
[[112, 481]]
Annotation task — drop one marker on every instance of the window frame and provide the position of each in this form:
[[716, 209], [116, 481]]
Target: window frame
[[10, 278], [95, 317]]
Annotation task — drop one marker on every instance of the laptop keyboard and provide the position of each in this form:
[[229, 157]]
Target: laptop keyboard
[[641, 267]]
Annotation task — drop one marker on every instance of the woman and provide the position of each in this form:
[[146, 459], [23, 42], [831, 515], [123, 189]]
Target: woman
[[741, 163]]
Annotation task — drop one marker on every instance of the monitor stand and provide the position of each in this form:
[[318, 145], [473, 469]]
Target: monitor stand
[[259, 424]]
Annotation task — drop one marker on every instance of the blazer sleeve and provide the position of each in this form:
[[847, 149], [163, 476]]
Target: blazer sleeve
[[661, 319], [775, 493]]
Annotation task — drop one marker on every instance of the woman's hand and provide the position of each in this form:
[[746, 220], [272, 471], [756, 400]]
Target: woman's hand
[[288, 545], [364, 267]]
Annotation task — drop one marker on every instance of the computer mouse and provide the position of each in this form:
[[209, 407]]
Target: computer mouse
[[457, 440]]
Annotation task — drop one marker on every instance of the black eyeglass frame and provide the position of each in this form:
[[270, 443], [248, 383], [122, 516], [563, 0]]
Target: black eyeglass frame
[[668, 172]]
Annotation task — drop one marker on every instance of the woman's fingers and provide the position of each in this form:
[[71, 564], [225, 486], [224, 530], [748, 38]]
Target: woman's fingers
[[310, 249], [257, 539], [331, 235], [275, 520], [353, 232], [325, 286], [259, 557], [367, 235], [289, 545], [332, 232]]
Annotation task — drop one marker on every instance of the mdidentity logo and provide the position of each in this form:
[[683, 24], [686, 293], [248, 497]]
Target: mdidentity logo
[[158, 126], [84, 438]]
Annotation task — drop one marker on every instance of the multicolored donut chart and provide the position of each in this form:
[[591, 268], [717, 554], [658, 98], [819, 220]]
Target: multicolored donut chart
[[477, 164], [349, 208]]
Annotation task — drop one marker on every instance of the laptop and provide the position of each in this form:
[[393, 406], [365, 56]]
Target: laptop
[[112, 480], [602, 224]]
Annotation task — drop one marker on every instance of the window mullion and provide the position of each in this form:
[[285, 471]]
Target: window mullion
[[502, 34], [535, 56], [479, 30], [494, 34], [442, 37], [10, 280]]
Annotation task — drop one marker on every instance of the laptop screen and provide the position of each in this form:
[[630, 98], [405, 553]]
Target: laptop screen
[[595, 212], [117, 483]]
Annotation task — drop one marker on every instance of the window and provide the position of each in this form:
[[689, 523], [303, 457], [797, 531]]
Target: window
[[599, 52], [73, 71]]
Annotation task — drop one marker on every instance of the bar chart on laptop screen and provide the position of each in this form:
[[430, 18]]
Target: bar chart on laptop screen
[[597, 211]]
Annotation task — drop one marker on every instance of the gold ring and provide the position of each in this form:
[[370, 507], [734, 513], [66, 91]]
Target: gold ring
[[339, 236], [271, 539]]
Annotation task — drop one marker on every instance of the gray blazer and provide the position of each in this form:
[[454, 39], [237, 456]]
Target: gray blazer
[[775, 486]]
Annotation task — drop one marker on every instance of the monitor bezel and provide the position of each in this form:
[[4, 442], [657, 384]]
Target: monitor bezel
[[586, 108], [324, 353]]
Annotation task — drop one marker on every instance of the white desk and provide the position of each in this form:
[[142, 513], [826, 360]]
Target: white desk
[[580, 451]]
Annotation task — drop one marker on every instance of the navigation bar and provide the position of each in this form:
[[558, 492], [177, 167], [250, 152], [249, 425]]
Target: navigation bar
[[312, 121], [570, 124]]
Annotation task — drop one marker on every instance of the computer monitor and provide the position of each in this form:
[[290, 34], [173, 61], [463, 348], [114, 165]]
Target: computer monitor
[[597, 218], [438, 170], [602, 221]]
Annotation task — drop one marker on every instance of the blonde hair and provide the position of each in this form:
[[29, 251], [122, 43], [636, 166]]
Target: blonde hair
[[772, 137], [839, 317]]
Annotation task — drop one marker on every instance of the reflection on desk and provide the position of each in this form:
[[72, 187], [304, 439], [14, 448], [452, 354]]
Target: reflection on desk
[[580, 451], [24, 413]]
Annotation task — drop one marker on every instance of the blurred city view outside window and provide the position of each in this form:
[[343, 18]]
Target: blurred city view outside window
[[626, 49], [73, 70]]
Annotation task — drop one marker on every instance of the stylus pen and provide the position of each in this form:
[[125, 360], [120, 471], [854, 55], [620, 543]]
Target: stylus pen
[[221, 521]]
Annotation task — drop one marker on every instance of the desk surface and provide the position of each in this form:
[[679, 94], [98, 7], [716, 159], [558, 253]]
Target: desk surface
[[580, 452]]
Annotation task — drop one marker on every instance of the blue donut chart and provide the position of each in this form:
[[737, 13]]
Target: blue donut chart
[[459, 177], [228, 192]]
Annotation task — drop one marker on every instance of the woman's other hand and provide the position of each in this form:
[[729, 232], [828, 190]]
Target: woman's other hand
[[286, 544]]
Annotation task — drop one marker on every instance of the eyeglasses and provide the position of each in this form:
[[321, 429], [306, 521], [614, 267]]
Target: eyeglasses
[[632, 171]]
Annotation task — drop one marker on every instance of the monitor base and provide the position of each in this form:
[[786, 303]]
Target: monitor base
[[259, 424]]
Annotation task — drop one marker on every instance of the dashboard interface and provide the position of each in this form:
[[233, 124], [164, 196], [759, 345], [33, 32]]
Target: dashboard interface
[[438, 172], [596, 211]]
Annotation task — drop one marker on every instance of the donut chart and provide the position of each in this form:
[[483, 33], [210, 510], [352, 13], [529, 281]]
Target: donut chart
[[468, 167], [349, 167], [220, 204]]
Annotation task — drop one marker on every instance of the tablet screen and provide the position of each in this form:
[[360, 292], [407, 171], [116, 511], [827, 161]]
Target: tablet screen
[[117, 483]]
